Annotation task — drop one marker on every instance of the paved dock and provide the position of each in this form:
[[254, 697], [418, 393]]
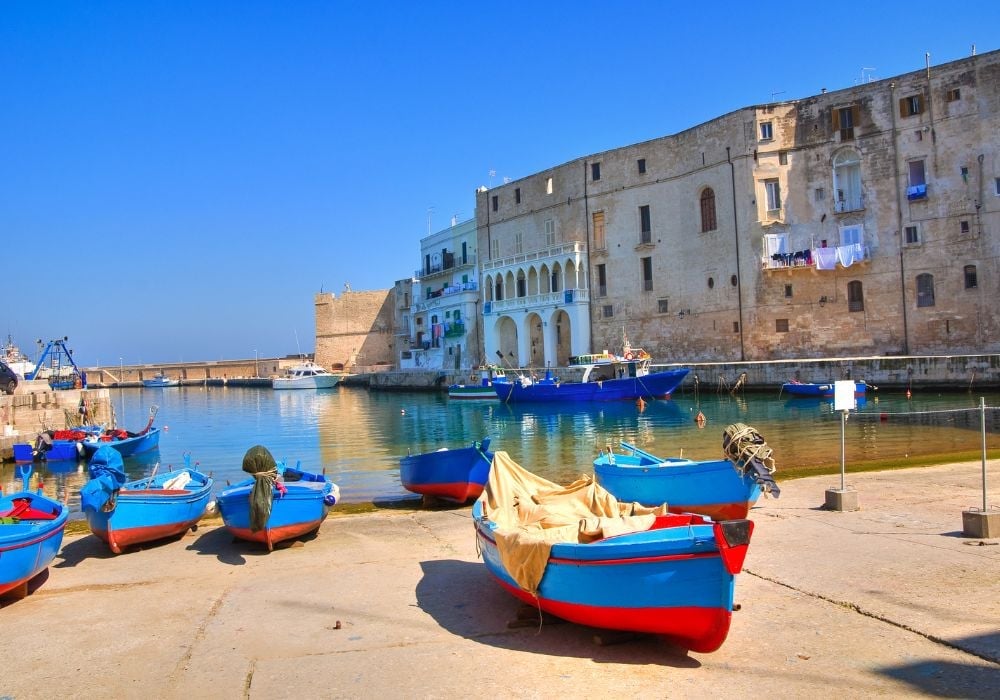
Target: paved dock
[[890, 600]]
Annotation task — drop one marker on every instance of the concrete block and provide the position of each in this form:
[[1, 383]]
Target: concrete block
[[978, 523], [842, 499]]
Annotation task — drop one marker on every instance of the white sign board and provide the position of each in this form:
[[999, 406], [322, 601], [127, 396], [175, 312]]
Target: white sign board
[[843, 396]]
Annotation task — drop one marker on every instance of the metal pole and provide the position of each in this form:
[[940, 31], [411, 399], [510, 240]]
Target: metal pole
[[843, 427], [982, 425]]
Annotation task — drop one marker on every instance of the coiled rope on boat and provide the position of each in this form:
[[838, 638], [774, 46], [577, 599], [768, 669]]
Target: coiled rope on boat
[[749, 452], [259, 463]]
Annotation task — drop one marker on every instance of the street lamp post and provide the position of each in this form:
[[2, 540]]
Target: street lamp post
[[256, 372]]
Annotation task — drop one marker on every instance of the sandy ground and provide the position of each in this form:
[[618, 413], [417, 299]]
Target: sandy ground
[[889, 600]]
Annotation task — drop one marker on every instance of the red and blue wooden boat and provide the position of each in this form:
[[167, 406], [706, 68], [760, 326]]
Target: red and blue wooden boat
[[300, 503], [452, 475], [716, 488], [125, 442], [126, 513], [31, 533], [818, 390], [675, 579]]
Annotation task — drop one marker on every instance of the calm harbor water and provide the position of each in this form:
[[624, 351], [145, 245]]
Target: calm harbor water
[[358, 436]]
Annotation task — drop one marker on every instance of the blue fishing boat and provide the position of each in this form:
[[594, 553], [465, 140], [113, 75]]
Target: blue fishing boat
[[604, 377], [452, 475], [125, 513], [31, 532], [608, 564], [721, 489], [819, 390], [277, 503], [125, 442]]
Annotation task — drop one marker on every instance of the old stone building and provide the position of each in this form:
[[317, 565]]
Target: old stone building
[[857, 222], [354, 332]]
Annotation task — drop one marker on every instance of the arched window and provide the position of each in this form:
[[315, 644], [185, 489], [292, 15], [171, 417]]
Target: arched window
[[847, 181], [925, 290], [708, 222], [498, 289], [855, 296]]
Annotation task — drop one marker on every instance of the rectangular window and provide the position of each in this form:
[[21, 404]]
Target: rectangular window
[[852, 235], [495, 249], [781, 325], [595, 171], [662, 306], [607, 311], [954, 94], [844, 121], [925, 290], [819, 194], [996, 186], [647, 274], [971, 280], [548, 186], [788, 291], [918, 175], [517, 195], [496, 202], [911, 236], [963, 226], [773, 192], [598, 221], [782, 157], [641, 163], [602, 280], [766, 132], [736, 326], [550, 233], [645, 227], [909, 106], [518, 243], [918, 135]]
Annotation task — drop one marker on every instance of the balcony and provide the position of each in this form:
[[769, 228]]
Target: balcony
[[446, 296], [537, 301], [555, 252], [451, 263], [818, 258]]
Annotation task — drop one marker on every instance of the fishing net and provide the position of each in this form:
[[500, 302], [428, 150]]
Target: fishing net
[[259, 463], [748, 451]]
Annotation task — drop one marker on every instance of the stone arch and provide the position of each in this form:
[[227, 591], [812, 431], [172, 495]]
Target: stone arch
[[506, 334], [536, 340], [533, 281]]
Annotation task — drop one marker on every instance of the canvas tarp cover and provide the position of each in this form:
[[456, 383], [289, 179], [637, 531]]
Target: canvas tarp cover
[[532, 514]]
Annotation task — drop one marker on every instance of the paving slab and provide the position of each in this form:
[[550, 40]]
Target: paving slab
[[888, 600]]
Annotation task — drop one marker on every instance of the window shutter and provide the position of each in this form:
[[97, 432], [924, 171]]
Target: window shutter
[[855, 115], [836, 119], [904, 110], [920, 103]]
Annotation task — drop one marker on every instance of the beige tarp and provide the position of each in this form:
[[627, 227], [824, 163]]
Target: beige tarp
[[532, 514]]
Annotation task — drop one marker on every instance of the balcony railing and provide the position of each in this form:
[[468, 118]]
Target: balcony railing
[[818, 258], [470, 261], [443, 296], [535, 301], [554, 252]]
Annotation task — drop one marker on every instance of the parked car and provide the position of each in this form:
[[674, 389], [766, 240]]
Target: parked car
[[8, 379]]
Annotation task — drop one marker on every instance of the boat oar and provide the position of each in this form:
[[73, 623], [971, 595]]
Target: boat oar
[[149, 481], [641, 453]]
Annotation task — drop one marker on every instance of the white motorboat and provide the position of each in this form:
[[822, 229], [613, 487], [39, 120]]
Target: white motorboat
[[307, 375]]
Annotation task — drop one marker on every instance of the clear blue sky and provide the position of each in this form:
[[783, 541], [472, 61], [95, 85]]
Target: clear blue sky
[[179, 178]]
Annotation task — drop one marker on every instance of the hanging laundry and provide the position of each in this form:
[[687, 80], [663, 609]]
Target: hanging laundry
[[826, 258]]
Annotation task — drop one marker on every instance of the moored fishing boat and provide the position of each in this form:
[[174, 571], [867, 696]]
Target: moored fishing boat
[[819, 390], [608, 564], [277, 503], [125, 442], [722, 489], [125, 513], [605, 377], [453, 475], [31, 533], [483, 390]]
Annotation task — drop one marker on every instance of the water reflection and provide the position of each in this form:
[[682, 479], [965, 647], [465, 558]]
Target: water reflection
[[358, 436]]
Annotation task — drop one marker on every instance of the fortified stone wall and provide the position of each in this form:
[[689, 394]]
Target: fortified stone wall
[[356, 330]]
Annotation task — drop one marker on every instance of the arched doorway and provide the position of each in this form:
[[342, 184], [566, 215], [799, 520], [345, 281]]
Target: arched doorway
[[562, 330], [507, 337]]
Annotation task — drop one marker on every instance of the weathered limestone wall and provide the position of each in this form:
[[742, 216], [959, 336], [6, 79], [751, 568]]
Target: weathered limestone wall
[[36, 409], [355, 330]]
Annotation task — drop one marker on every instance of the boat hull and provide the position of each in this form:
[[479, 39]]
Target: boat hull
[[321, 382], [29, 546], [713, 488], [298, 512], [463, 392], [656, 385], [814, 390], [672, 582], [126, 446], [146, 512], [451, 475]]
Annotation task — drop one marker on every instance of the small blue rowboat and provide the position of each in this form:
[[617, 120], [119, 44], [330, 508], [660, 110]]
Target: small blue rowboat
[[674, 577], [31, 532], [125, 513], [716, 488], [288, 503], [124, 442], [452, 475]]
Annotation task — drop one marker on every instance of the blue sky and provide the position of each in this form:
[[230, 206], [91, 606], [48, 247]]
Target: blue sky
[[178, 179]]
